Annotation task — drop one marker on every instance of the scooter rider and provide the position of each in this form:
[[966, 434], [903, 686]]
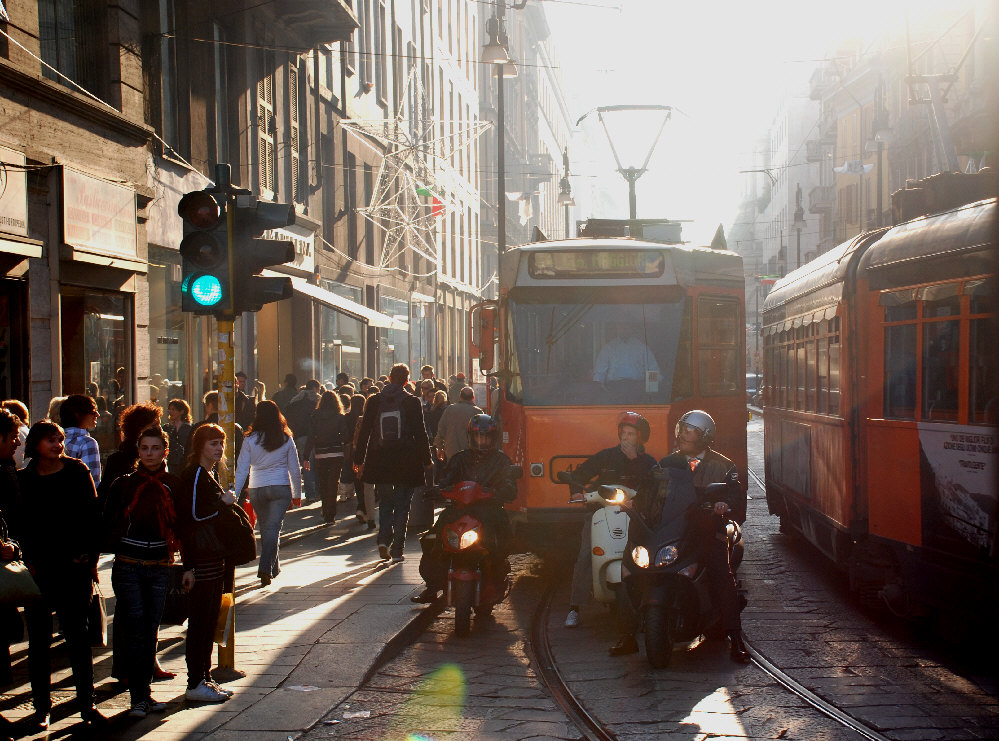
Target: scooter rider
[[695, 431], [626, 463], [483, 463]]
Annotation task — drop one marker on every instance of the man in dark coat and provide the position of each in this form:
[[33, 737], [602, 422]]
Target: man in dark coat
[[401, 460]]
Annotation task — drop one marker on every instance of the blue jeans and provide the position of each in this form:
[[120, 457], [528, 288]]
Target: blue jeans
[[140, 592], [393, 514], [270, 503], [308, 477]]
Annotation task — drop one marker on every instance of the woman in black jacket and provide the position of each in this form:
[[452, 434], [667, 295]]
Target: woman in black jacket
[[59, 535], [139, 528], [327, 439], [198, 505], [178, 427]]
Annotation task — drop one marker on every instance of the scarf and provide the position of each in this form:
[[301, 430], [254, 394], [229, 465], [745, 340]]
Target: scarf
[[163, 501]]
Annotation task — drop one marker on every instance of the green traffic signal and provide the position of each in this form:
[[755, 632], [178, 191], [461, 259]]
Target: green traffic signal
[[206, 286], [206, 290]]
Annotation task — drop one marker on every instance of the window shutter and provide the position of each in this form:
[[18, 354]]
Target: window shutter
[[296, 189], [265, 132]]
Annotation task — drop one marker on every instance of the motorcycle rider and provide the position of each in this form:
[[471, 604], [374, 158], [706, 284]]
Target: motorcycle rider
[[695, 431], [485, 464], [626, 463]]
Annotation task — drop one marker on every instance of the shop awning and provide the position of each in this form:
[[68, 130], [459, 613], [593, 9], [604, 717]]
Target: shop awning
[[342, 303]]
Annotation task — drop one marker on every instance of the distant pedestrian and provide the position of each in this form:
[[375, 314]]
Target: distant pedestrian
[[392, 448], [454, 390], [78, 414], [452, 431], [436, 412], [20, 412], [270, 462], [327, 440], [427, 373], [244, 403], [210, 402], [198, 506], [299, 416], [366, 384], [178, 427], [59, 533], [364, 493], [283, 396], [140, 529], [55, 404]]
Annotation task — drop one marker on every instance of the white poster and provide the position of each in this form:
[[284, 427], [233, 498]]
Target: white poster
[[13, 193]]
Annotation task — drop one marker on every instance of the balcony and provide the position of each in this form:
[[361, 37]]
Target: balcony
[[318, 22], [815, 151], [821, 199], [827, 128]]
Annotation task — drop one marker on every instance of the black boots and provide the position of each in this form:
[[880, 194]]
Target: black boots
[[425, 597], [739, 653], [626, 645]]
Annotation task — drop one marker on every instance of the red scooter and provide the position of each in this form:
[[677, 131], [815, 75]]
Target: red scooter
[[476, 578]]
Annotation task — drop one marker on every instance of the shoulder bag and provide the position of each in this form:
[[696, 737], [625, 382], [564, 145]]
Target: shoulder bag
[[236, 534], [17, 586]]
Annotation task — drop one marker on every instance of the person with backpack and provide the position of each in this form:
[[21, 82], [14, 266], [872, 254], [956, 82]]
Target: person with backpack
[[392, 448], [327, 439]]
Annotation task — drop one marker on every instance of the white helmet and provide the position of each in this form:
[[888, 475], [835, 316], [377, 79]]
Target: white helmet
[[700, 421]]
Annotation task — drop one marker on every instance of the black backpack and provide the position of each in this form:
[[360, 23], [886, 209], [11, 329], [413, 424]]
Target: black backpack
[[299, 413], [391, 423]]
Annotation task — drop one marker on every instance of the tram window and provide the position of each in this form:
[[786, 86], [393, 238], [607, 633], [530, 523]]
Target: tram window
[[900, 306], [900, 372], [683, 377], [810, 375], [941, 370], [983, 378], [940, 301], [981, 292], [717, 346], [834, 348], [799, 394], [822, 374]]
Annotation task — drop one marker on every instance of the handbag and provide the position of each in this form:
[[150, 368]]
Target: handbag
[[17, 586], [236, 534], [97, 620], [251, 514], [177, 607]]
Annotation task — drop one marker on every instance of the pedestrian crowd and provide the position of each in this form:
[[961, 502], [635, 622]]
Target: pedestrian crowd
[[150, 494]]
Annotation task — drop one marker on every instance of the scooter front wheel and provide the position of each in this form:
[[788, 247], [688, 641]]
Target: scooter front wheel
[[464, 596], [658, 637]]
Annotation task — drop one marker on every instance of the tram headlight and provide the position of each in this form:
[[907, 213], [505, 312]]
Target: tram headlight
[[667, 555], [640, 556]]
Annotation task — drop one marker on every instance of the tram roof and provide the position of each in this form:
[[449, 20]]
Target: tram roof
[[952, 244]]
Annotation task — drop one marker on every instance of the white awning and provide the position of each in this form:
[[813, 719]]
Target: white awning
[[341, 303]]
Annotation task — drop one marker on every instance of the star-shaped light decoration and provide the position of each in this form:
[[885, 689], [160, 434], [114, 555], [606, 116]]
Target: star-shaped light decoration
[[416, 166]]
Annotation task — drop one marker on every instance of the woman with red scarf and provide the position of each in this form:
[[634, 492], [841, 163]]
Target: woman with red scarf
[[139, 520]]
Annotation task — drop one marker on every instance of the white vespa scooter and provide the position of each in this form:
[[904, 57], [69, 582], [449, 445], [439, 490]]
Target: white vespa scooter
[[608, 533]]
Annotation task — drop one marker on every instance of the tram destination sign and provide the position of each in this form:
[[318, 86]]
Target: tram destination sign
[[596, 264]]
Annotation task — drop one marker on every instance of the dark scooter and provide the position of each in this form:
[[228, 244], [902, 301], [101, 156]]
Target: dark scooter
[[675, 598]]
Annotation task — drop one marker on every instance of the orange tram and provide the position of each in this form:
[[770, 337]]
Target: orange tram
[[881, 405], [589, 327]]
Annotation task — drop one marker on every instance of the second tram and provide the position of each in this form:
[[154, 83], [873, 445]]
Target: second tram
[[587, 328], [880, 411]]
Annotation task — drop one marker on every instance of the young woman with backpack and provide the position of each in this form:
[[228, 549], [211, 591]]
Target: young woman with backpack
[[327, 439]]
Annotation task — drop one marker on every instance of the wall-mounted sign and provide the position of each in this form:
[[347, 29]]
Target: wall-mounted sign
[[13, 193], [98, 216]]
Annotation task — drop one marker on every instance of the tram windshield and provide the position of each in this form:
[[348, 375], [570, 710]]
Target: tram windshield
[[582, 353]]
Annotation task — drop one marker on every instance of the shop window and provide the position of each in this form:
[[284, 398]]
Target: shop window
[[717, 347], [900, 372], [393, 343], [14, 339], [168, 329], [941, 371], [341, 336]]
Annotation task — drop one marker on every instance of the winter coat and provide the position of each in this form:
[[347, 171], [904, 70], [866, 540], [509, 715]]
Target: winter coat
[[402, 466]]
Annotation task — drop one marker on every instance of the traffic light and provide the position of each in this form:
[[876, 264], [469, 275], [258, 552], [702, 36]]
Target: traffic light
[[206, 286], [251, 254]]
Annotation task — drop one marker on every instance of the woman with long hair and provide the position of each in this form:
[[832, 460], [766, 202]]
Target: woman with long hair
[[178, 427], [198, 507], [59, 533], [140, 530], [269, 459], [327, 438], [122, 462]]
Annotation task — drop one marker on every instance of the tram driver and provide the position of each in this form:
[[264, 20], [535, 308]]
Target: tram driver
[[623, 363]]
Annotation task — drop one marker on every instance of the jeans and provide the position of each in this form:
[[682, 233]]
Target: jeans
[[205, 601], [393, 514], [327, 474], [270, 503], [66, 588], [140, 592], [582, 572]]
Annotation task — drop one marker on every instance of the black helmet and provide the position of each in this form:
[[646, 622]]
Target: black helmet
[[636, 420], [482, 424]]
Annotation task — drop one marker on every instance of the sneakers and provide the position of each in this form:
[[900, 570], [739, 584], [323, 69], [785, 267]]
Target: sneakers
[[383, 552], [144, 707], [572, 619], [155, 707], [219, 688], [205, 693], [398, 559]]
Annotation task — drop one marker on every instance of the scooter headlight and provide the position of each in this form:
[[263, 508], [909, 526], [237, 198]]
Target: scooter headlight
[[618, 497], [667, 555], [460, 541], [640, 556]]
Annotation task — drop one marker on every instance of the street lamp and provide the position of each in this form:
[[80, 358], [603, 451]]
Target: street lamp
[[565, 190], [497, 54], [799, 224]]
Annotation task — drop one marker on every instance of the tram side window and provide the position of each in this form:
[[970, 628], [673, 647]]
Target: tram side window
[[717, 347], [900, 372], [834, 349], [983, 377], [683, 377], [799, 354], [941, 370]]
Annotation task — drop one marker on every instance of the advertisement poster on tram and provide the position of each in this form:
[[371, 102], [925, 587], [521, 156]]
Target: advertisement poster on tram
[[958, 481]]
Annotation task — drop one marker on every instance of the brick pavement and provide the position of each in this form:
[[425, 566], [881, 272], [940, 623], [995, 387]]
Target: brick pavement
[[305, 642]]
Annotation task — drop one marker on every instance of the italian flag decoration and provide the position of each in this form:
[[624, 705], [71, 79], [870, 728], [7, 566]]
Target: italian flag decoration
[[436, 204]]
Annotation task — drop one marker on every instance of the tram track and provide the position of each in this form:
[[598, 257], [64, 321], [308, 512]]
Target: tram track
[[593, 729]]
